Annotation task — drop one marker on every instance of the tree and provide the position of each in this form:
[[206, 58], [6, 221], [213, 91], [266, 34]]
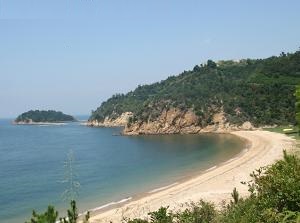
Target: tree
[[73, 215], [161, 216], [260, 91], [235, 196], [282, 54], [196, 68], [211, 64], [50, 216]]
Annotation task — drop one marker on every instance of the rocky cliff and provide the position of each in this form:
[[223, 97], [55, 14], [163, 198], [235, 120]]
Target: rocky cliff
[[175, 121], [171, 121], [120, 121]]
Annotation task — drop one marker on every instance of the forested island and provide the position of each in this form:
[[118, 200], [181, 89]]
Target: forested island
[[42, 116], [216, 96]]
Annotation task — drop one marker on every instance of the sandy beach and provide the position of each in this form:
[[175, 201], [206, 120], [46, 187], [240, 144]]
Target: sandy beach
[[213, 185]]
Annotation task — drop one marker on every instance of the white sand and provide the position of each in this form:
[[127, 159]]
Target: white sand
[[214, 185]]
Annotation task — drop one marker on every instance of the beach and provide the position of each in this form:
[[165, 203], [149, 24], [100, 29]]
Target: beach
[[109, 168], [215, 184]]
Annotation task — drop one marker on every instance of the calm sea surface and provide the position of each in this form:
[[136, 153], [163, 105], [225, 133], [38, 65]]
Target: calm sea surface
[[108, 167]]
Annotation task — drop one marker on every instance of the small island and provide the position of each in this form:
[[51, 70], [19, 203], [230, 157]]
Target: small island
[[42, 117]]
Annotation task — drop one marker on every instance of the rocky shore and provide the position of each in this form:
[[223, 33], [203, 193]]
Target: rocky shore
[[121, 121], [172, 121]]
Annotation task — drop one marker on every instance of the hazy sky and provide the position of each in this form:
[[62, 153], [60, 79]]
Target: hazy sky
[[70, 55]]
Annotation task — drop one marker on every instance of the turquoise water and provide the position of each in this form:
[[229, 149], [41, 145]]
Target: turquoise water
[[109, 167]]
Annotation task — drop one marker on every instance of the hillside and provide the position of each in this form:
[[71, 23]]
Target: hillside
[[38, 116], [211, 97]]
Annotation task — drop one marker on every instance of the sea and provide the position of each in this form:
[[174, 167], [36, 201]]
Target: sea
[[41, 165]]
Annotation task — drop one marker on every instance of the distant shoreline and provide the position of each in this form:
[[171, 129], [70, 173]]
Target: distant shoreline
[[41, 123], [214, 184]]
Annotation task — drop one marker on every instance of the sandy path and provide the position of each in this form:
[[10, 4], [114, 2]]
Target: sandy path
[[214, 185]]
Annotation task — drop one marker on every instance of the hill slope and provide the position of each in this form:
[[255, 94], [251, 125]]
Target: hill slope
[[211, 97]]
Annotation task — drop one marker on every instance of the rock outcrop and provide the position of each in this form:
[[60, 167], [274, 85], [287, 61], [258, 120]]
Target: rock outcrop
[[109, 122], [175, 121], [171, 121]]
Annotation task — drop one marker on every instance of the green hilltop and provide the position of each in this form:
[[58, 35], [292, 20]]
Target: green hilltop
[[257, 90], [44, 116]]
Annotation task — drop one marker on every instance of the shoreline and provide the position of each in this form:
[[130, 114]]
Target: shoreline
[[41, 123], [117, 204], [214, 184]]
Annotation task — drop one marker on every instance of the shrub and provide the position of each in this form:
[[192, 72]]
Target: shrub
[[161, 216], [274, 195], [201, 212], [50, 216]]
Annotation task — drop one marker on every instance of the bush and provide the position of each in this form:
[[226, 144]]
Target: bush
[[201, 212], [50, 216], [161, 216], [274, 195]]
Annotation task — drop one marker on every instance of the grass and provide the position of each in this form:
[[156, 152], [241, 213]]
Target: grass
[[280, 129], [292, 133]]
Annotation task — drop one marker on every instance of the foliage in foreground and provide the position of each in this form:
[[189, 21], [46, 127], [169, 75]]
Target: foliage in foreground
[[274, 197], [51, 216], [201, 212]]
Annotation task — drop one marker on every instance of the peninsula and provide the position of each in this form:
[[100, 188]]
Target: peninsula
[[42, 116], [218, 96]]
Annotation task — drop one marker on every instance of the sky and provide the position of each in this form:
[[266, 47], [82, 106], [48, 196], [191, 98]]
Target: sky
[[71, 55]]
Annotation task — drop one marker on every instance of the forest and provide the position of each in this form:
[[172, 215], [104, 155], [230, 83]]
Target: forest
[[257, 90], [44, 116]]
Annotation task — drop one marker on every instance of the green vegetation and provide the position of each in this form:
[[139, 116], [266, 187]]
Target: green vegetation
[[274, 197], [290, 130], [297, 106], [51, 216], [257, 90], [44, 116]]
